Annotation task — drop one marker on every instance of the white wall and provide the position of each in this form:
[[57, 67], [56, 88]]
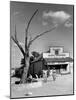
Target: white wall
[[52, 53]]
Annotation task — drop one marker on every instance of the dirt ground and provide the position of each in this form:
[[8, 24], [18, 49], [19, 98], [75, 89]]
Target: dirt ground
[[62, 86]]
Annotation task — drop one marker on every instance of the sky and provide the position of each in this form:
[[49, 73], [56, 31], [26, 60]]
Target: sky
[[48, 16]]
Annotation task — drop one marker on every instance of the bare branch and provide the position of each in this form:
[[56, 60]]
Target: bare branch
[[26, 38], [40, 36], [15, 33], [30, 21], [30, 38], [17, 43]]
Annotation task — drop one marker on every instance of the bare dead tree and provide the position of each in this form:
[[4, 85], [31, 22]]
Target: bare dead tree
[[25, 52], [17, 42]]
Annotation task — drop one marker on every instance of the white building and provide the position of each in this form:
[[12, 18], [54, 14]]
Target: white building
[[56, 57]]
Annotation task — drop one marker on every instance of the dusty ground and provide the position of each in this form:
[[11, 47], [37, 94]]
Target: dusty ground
[[63, 85]]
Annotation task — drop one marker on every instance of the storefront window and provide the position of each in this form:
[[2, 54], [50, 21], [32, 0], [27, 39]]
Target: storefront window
[[56, 52]]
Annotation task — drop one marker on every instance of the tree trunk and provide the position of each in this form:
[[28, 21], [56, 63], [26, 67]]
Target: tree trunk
[[25, 71]]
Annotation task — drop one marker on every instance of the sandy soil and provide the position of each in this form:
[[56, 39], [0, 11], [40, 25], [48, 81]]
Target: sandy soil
[[62, 86]]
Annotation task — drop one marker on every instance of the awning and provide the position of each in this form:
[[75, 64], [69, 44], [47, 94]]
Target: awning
[[53, 60]]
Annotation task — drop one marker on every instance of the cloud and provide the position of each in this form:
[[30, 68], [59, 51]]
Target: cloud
[[44, 23], [57, 17], [68, 24]]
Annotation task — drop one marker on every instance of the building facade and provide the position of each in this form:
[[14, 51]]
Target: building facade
[[57, 58]]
